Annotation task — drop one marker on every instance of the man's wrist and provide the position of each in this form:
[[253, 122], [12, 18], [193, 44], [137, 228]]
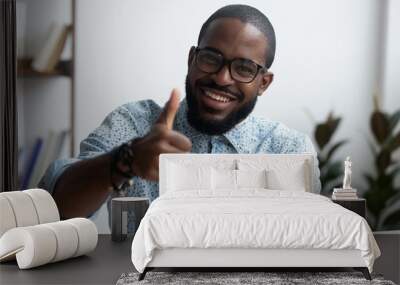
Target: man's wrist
[[121, 167], [123, 160]]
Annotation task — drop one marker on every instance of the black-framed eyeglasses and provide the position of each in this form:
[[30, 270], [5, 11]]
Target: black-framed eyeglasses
[[242, 70]]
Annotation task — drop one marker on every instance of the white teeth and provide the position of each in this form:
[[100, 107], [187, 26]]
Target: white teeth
[[217, 97]]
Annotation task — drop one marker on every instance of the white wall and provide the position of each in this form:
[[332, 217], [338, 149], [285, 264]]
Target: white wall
[[327, 59], [392, 63]]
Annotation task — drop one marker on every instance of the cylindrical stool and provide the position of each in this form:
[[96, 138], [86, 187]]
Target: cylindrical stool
[[120, 209]]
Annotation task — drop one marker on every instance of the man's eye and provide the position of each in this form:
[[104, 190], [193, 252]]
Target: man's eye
[[209, 59], [242, 69]]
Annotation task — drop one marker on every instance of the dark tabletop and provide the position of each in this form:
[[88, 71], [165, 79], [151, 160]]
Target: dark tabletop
[[104, 265]]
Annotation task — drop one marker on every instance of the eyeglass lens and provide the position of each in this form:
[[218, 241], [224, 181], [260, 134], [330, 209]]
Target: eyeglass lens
[[241, 70]]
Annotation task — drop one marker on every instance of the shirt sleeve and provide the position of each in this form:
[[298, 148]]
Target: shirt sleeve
[[53, 172], [309, 147], [118, 127]]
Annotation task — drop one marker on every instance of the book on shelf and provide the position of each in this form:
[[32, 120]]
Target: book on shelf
[[336, 196], [345, 198], [341, 190], [60, 144], [344, 194], [43, 158], [43, 153], [30, 163], [49, 55]]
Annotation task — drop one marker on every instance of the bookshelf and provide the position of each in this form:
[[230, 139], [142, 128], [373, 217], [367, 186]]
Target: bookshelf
[[45, 86], [64, 68], [24, 69]]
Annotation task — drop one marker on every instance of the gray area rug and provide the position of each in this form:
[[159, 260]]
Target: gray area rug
[[229, 278]]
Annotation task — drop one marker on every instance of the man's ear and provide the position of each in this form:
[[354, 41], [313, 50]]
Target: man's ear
[[191, 55], [266, 79]]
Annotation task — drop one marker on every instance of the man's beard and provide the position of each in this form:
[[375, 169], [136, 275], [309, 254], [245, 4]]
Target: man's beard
[[214, 127]]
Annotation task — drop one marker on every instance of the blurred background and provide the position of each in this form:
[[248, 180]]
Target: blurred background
[[336, 79]]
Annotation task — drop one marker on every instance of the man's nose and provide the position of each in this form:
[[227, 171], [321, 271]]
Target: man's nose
[[223, 77]]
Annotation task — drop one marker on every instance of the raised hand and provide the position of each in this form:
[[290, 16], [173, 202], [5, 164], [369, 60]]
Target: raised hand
[[161, 139]]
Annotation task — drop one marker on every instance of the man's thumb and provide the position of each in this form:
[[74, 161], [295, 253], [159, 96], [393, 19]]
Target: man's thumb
[[171, 107]]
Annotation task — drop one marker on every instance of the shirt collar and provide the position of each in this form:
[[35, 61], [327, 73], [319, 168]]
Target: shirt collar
[[243, 136]]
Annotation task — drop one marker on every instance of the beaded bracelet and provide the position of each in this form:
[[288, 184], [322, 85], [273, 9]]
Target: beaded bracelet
[[123, 155]]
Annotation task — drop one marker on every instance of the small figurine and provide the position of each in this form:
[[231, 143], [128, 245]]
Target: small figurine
[[347, 174]]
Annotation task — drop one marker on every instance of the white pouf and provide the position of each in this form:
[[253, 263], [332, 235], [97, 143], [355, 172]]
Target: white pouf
[[32, 233]]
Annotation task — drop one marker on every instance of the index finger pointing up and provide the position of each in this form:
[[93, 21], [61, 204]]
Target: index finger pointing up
[[167, 115]]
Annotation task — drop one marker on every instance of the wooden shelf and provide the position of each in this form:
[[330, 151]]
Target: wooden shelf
[[24, 69], [64, 69]]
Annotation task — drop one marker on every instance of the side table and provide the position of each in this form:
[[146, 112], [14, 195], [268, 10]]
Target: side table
[[358, 205]]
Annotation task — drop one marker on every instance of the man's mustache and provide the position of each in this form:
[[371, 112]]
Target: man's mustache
[[213, 85]]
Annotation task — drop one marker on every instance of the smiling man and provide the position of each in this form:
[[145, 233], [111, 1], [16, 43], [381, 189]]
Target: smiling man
[[227, 72]]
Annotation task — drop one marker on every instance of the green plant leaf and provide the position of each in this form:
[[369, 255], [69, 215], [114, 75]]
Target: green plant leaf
[[393, 199], [327, 188], [379, 192], [325, 130], [383, 160], [321, 160], [393, 218], [394, 171], [335, 181], [369, 179], [394, 142], [333, 123], [379, 126], [375, 201], [333, 171], [322, 135], [384, 183], [334, 148], [394, 119]]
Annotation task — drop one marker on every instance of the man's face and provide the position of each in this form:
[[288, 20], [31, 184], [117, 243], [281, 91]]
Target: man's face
[[217, 102]]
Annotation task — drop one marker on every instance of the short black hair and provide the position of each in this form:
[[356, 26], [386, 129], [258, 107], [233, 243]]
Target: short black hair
[[246, 14]]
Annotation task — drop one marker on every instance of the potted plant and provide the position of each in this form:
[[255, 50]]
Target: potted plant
[[382, 194], [331, 170]]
